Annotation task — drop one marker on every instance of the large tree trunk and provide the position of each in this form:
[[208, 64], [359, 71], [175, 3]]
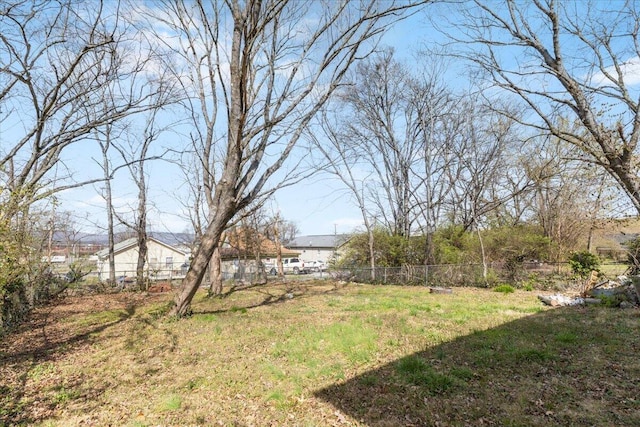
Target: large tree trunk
[[226, 192], [111, 243], [193, 278], [225, 201]]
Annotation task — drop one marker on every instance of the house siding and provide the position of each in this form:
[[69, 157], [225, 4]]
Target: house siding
[[163, 262]]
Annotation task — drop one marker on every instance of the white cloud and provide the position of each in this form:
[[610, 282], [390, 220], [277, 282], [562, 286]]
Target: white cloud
[[630, 70]]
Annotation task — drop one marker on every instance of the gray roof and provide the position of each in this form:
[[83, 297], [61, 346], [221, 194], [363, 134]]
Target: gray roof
[[129, 243], [173, 239], [168, 238], [328, 241], [125, 244]]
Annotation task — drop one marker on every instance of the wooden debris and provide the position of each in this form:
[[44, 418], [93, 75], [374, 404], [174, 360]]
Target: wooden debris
[[160, 287], [441, 290]]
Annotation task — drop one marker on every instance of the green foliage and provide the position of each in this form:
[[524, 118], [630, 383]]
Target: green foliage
[[12, 272], [451, 245], [532, 281], [389, 250], [633, 255], [504, 248], [515, 244], [24, 279], [505, 289], [583, 262], [611, 301]]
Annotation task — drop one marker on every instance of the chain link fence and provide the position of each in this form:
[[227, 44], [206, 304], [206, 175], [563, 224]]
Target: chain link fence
[[126, 272], [536, 274]]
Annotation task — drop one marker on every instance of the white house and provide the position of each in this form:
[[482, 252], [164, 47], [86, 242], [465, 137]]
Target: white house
[[164, 261], [319, 247]]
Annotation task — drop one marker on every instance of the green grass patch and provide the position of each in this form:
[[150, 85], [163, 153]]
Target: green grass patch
[[172, 402], [41, 371], [567, 337], [416, 371], [63, 395], [505, 289], [100, 318]]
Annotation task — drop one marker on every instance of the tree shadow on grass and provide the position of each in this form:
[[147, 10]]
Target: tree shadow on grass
[[271, 293], [566, 366]]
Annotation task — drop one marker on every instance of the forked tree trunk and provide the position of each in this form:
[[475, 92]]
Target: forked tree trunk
[[211, 238], [259, 104]]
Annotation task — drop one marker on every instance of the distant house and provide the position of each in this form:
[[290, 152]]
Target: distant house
[[319, 247], [74, 246], [67, 247], [164, 261], [241, 247]]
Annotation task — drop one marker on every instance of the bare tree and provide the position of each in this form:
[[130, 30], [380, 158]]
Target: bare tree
[[275, 231], [58, 58], [382, 126], [342, 160], [482, 149], [104, 137], [568, 197], [135, 156], [389, 144], [270, 66], [567, 61]]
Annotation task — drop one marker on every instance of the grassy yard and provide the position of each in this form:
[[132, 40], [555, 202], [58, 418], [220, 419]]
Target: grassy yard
[[323, 354]]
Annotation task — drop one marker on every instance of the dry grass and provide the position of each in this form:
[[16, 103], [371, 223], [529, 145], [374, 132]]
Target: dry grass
[[320, 353]]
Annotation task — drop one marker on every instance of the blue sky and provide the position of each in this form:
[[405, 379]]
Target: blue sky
[[319, 205]]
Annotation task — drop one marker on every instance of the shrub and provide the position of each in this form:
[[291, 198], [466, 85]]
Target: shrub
[[611, 300], [583, 262], [633, 255], [24, 279], [390, 250]]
